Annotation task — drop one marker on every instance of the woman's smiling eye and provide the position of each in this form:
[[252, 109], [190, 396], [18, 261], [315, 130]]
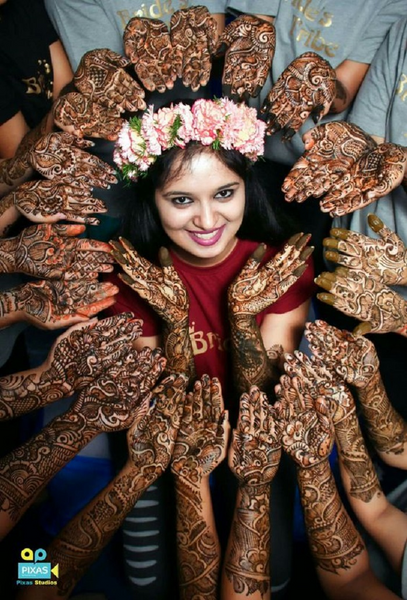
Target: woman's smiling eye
[[181, 200], [225, 193]]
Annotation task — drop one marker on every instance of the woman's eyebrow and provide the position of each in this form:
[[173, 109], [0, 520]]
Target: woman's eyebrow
[[184, 193]]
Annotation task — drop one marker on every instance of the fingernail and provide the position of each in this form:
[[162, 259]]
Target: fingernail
[[374, 222], [362, 329]]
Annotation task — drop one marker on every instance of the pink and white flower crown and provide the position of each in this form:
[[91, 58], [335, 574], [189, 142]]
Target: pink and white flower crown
[[216, 123]]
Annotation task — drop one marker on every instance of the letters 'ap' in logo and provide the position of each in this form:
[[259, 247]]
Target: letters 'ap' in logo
[[36, 569]]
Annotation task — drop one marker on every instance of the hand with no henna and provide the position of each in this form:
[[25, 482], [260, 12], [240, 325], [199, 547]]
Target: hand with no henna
[[255, 451], [305, 88], [63, 156], [202, 438], [148, 46], [102, 78], [257, 287], [353, 358], [248, 43], [50, 201], [56, 304], [54, 251], [193, 33], [359, 295], [77, 114], [86, 350], [373, 176], [330, 150], [385, 259]]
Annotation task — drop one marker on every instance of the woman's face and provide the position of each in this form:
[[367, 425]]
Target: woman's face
[[202, 209]]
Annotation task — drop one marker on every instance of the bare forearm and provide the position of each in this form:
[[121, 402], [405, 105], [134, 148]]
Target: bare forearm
[[197, 542], [247, 571]]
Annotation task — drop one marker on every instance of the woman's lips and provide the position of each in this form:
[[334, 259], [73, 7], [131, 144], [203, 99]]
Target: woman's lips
[[207, 238]]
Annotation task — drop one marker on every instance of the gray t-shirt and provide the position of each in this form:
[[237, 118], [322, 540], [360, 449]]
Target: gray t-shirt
[[88, 24], [337, 31], [381, 109]]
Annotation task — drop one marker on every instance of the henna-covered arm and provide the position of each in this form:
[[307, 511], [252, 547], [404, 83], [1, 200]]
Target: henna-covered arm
[[254, 289], [150, 439], [201, 445], [163, 289], [108, 404], [75, 359], [254, 456]]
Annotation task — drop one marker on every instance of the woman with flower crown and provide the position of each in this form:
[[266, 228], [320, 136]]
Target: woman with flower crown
[[208, 269]]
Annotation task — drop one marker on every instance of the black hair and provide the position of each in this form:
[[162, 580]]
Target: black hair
[[142, 226]]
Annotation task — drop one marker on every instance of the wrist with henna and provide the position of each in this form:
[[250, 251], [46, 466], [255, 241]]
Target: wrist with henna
[[21, 394], [248, 565], [251, 363], [26, 471], [385, 426], [198, 548], [178, 349], [8, 249], [364, 483], [80, 542], [334, 541]]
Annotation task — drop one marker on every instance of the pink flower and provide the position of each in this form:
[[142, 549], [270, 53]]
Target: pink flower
[[209, 118]]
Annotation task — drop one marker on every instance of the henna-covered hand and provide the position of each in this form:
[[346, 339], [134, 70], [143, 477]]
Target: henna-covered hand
[[385, 259], [353, 358], [248, 43], [151, 440], [359, 295], [50, 201], [257, 287], [86, 350], [77, 114], [305, 88], [193, 33], [312, 380], [63, 156], [307, 429], [255, 451], [53, 252], [202, 439], [101, 76], [161, 286], [120, 395], [55, 304], [373, 176], [330, 150], [148, 46]]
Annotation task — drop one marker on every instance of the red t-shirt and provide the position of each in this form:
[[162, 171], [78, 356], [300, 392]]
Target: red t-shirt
[[208, 316]]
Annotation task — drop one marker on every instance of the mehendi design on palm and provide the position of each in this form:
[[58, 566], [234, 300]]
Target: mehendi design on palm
[[373, 176], [385, 259], [148, 46], [254, 456], [53, 252], [305, 88], [199, 448], [76, 113], [248, 43], [101, 76], [359, 295], [49, 201], [63, 156], [193, 32], [330, 150], [163, 289]]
